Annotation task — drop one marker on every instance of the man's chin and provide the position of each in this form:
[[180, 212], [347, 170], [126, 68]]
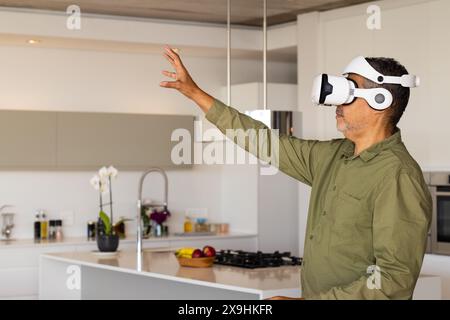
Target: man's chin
[[340, 125]]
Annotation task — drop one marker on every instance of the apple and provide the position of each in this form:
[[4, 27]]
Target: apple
[[209, 251], [197, 253]]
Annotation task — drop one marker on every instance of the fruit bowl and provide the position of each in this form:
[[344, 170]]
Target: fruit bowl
[[203, 262]]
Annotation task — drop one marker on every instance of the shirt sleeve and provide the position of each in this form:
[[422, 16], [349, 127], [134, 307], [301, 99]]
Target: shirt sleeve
[[296, 157], [402, 217]]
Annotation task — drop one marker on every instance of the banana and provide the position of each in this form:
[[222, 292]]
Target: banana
[[185, 252]]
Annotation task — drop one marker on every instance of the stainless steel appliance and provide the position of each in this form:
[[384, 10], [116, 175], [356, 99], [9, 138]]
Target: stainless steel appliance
[[439, 237]]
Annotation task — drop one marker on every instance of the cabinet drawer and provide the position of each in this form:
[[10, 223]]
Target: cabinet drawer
[[27, 257], [18, 282]]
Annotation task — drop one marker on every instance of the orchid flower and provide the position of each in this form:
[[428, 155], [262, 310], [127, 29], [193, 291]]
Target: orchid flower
[[95, 182], [107, 173], [112, 172], [103, 172], [100, 183], [104, 186]]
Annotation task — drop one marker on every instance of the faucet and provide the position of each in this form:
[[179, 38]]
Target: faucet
[[141, 205], [7, 222]]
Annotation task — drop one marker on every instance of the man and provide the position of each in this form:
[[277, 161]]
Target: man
[[370, 209]]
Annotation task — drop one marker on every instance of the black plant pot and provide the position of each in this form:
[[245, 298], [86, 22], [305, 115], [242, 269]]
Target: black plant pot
[[107, 243]]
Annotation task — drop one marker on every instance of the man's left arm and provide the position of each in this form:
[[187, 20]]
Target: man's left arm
[[401, 219]]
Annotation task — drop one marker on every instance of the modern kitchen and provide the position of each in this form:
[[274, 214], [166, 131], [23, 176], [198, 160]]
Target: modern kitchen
[[117, 188]]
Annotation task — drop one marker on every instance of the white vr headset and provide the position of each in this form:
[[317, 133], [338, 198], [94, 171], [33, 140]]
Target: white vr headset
[[334, 90]]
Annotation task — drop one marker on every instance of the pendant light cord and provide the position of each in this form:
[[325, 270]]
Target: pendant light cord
[[228, 52], [265, 55]]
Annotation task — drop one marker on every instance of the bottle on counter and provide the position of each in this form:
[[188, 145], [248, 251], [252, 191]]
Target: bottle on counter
[[187, 224], [165, 231], [158, 230], [44, 226], [91, 227], [51, 230], [37, 227], [58, 230]]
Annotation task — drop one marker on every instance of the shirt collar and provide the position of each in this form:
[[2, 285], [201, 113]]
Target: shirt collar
[[371, 152]]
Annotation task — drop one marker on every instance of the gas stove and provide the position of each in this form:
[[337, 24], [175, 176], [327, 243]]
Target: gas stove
[[252, 260]]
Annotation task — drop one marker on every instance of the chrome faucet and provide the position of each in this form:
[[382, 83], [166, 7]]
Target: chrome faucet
[[141, 205], [7, 223]]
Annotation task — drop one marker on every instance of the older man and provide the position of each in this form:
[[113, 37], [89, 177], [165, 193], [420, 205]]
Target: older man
[[370, 209]]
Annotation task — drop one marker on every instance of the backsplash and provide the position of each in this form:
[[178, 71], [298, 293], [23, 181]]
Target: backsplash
[[69, 196]]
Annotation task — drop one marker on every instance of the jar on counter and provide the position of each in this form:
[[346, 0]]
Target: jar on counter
[[165, 231], [51, 229], [201, 225], [91, 227], [188, 225], [58, 230]]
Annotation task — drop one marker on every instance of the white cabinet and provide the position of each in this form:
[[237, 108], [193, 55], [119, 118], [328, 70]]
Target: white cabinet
[[19, 264], [19, 270]]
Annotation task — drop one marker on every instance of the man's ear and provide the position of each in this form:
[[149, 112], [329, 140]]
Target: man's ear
[[386, 114]]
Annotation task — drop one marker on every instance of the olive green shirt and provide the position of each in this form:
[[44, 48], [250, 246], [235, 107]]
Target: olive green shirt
[[366, 210]]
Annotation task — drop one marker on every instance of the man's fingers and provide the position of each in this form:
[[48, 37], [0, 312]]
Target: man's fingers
[[170, 84], [169, 74], [176, 58], [170, 59], [172, 54]]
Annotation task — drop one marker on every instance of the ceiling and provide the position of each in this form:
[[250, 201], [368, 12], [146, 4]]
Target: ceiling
[[244, 12]]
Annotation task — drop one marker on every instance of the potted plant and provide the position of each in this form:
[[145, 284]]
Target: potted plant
[[119, 227], [107, 239]]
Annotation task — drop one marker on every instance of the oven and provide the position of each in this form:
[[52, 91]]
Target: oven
[[439, 237]]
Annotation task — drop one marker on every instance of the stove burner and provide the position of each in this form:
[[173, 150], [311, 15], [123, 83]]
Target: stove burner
[[252, 260]]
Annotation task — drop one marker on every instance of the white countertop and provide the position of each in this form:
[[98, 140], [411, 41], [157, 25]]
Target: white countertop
[[164, 265], [18, 243]]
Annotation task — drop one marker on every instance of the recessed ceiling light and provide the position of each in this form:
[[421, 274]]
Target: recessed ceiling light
[[33, 41]]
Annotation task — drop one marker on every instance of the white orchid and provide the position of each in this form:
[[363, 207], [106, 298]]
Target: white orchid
[[112, 172], [104, 186], [103, 173], [95, 182], [107, 173], [100, 183]]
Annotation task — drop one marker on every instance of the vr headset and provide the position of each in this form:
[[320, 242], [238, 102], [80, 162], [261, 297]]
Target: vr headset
[[334, 90]]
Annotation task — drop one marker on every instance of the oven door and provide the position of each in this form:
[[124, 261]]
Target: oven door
[[440, 231]]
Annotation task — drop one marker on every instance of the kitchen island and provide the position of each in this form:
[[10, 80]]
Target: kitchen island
[[86, 275], [19, 258]]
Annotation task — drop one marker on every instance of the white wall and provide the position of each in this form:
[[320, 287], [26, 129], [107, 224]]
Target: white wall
[[273, 198], [34, 78], [413, 31]]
